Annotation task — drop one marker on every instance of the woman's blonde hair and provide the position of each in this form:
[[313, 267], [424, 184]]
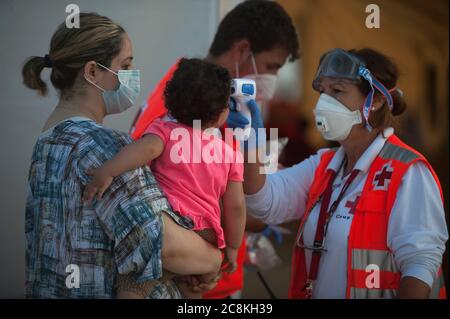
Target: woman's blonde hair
[[98, 39]]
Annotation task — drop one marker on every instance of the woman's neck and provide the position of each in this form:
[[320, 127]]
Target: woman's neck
[[67, 108], [356, 144]]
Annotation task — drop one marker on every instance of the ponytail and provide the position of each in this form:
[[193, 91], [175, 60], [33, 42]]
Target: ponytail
[[31, 73]]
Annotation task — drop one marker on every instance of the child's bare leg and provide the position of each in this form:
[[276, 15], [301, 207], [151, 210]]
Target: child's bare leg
[[210, 236]]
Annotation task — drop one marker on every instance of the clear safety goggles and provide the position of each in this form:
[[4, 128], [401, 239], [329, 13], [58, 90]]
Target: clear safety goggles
[[341, 64]]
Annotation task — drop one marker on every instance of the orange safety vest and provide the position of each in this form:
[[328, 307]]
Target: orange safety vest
[[156, 108], [367, 243]]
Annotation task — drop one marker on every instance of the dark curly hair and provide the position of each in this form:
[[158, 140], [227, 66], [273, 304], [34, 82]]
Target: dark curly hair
[[265, 24], [197, 91]]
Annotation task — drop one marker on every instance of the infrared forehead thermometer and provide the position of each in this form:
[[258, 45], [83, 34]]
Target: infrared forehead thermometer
[[245, 88], [242, 91]]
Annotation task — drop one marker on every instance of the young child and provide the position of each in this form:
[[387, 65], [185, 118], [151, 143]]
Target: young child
[[194, 187]]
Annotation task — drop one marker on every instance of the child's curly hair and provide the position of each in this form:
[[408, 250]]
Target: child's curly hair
[[197, 91]]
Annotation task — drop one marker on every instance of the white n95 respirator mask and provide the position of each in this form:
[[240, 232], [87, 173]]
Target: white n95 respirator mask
[[333, 119], [266, 83]]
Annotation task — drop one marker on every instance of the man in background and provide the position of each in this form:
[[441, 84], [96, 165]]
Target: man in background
[[254, 40]]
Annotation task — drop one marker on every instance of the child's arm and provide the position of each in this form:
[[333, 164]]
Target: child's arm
[[132, 156], [234, 216], [135, 155]]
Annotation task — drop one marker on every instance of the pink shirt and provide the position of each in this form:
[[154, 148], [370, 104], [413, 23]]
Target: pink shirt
[[193, 171]]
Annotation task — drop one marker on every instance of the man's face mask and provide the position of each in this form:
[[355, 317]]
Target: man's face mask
[[266, 83], [124, 97], [333, 119]]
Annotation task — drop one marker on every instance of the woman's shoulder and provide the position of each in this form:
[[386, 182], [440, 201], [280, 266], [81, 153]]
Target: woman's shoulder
[[89, 133], [80, 139], [306, 169], [314, 159]]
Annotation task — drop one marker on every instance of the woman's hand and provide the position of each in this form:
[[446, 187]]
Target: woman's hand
[[100, 182], [237, 120], [201, 283], [257, 120]]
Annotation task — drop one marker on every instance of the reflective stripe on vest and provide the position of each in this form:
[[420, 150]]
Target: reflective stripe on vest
[[391, 151], [362, 293], [362, 259]]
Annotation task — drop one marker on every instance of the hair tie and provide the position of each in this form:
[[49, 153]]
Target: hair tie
[[396, 89], [47, 61]]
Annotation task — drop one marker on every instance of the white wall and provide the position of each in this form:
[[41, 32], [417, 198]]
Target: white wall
[[161, 31]]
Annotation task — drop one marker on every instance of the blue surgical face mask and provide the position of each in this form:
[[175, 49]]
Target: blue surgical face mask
[[124, 97]]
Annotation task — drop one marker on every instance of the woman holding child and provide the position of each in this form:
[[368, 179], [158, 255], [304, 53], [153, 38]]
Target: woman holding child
[[117, 245]]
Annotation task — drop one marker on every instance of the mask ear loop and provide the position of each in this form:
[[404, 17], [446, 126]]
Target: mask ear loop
[[94, 84], [254, 64], [365, 73], [101, 89], [98, 87], [107, 69], [236, 66]]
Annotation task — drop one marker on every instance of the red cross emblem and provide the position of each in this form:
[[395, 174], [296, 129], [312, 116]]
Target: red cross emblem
[[383, 177], [352, 205]]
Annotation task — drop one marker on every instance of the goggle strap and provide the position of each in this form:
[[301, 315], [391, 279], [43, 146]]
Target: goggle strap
[[367, 106], [373, 81], [380, 87]]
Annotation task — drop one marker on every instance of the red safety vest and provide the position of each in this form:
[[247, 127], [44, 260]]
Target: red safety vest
[[156, 108], [367, 244]]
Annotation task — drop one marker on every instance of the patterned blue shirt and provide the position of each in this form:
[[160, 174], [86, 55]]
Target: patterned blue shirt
[[121, 233]]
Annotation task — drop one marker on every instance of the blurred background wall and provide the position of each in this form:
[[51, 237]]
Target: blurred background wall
[[412, 32]]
